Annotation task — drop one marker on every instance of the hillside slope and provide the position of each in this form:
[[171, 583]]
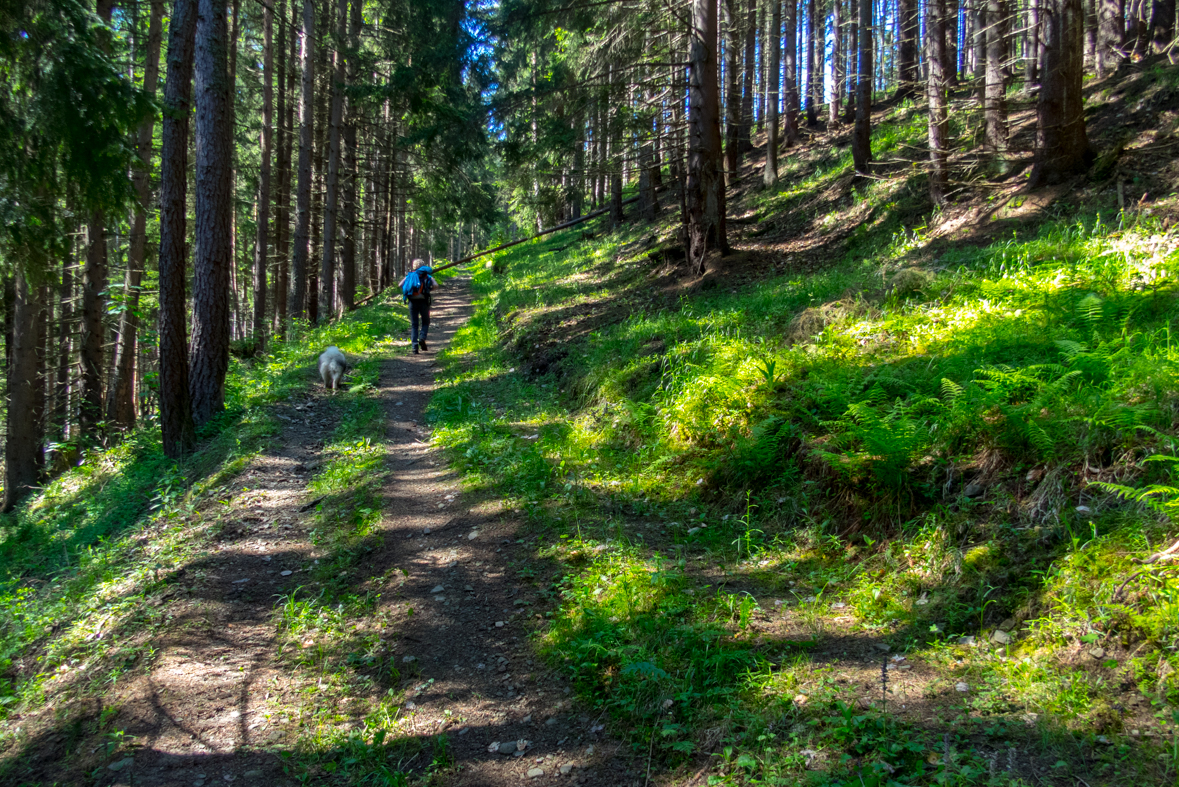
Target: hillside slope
[[880, 496]]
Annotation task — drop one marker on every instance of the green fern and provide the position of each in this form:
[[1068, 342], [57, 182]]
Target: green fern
[[1159, 497], [951, 390]]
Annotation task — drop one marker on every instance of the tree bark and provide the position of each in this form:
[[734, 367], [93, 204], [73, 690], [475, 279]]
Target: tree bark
[[297, 303], [176, 422], [994, 99], [733, 102], [772, 102], [348, 219], [851, 53], [65, 322], [813, 100], [938, 84], [790, 117], [213, 228], [1062, 147], [1162, 24], [94, 278], [745, 143], [25, 439], [706, 185], [1110, 31], [950, 24], [575, 208], [1032, 34], [327, 271], [121, 399], [862, 134], [94, 283], [261, 257], [979, 29], [286, 100], [837, 75]]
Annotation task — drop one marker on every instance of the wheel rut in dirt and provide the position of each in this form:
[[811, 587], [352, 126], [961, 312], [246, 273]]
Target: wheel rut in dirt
[[467, 663]]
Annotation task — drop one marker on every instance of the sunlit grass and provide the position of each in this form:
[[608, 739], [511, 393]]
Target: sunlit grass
[[812, 439], [86, 556]]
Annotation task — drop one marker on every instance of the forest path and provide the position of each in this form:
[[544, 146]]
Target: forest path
[[222, 702], [474, 672]]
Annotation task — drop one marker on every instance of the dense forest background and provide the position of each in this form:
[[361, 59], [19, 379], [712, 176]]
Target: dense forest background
[[181, 182]]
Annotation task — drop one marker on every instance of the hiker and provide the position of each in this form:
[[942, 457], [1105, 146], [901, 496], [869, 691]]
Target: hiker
[[415, 290]]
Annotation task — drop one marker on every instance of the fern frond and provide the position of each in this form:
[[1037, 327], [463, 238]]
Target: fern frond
[[951, 390]]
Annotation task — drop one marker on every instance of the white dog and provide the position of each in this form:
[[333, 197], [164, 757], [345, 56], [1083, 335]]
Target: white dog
[[332, 365]]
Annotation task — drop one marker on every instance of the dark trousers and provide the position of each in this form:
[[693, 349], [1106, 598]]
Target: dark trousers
[[419, 312]]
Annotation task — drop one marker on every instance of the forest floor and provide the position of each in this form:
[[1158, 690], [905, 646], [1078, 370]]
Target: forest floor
[[237, 689]]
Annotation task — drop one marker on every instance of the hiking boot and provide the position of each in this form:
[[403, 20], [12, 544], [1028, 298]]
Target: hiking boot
[[422, 344], [415, 348]]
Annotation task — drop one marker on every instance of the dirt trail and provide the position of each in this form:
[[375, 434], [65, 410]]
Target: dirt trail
[[474, 669], [218, 703]]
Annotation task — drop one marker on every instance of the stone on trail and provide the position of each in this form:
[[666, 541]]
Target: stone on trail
[[508, 747], [566, 769], [1000, 637], [119, 765], [535, 773], [286, 573], [437, 589]]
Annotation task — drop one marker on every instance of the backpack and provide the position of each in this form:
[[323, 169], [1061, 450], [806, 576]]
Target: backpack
[[417, 284]]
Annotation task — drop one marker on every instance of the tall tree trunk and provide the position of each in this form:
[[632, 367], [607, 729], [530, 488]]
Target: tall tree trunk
[[813, 67], [25, 439], [213, 228], [935, 32], [94, 284], [261, 257], [94, 277], [733, 102], [1162, 24], [237, 305], [348, 219], [1110, 30], [851, 53], [979, 28], [65, 323], [950, 23], [706, 184], [1137, 27], [745, 143], [772, 102], [790, 118], [176, 422], [121, 399], [1034, 44], [327, 271], [297, 303], [286, 114], [1090, 34], [994, 100], [1062, 147], [575, 207], [319, 157], [837, 74], [862, 134]]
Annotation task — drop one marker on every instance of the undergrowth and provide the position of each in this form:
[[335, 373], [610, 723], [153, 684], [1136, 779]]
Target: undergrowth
[[907, 451], [85, 563]]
